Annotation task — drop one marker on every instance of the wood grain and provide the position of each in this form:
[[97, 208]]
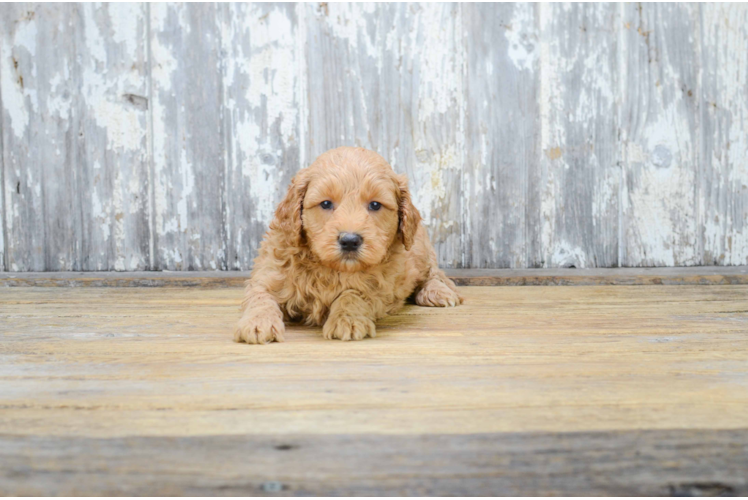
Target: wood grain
[[715, 275], [660, 135], [142, 137], [114, 362], [74, 133], [724, 175], [629, 463], [39, 78], [579, 95], [501, 184], [535, 390], [189, 169]]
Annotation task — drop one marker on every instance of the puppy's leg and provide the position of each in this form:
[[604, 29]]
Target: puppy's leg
[[437, 291], [262, 320], [351, 318]]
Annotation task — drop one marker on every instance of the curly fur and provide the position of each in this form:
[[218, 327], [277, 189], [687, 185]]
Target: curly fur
[[301, 274]]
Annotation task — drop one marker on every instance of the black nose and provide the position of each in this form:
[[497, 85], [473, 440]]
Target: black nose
[[349, 242]]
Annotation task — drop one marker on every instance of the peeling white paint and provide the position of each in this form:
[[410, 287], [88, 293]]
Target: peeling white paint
[[349, 22], [566, 255], [520, 35], [432, 192], [163, 68], [436, 63], [268, 87], [402, 89], [661, 212], [725, 205], [14, 92], [125, 19]]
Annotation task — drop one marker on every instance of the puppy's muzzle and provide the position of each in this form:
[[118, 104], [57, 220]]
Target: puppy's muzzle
[[350, 242]]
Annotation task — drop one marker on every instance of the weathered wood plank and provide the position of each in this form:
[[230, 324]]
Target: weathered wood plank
[[579, 98], [113, 159], [660, 134], [500, 171], [716, 275], [505, 117], [636, 390], [40, 135], [633, 463], [389, 77], [261, 118], [3, 206], [111, 363], [724, 174], [74, 80], [342, 50], [188, 140]]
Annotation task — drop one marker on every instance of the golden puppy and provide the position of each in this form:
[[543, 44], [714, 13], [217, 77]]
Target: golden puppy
[[346, 247]]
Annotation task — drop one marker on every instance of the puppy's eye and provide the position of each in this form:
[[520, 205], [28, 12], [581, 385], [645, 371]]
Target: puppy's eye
[[375, 205], [326, 205]]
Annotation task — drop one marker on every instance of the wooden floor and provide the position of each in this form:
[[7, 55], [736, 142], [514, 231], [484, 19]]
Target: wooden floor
[[621, 390]]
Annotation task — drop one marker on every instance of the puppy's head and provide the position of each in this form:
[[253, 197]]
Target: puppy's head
[[349, 207]]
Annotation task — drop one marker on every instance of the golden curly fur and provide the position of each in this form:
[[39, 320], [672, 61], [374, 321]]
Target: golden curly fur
[[303, 273]]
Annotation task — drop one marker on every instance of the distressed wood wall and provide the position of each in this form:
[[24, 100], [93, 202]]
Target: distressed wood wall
[[139, 136]]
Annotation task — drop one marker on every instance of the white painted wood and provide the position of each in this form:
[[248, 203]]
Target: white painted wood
[[660, 134], [579, 95], [501, 175], [113, 161], [162, 136], [37, 85], [3, 206], [74, 136], [189, 182], [724, 175], [260, 72]]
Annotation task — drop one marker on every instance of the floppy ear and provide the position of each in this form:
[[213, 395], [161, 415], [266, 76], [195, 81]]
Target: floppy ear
[[410, 219], [288, 213]]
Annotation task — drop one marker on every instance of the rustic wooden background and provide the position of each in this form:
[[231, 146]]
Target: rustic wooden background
[[140, 136]]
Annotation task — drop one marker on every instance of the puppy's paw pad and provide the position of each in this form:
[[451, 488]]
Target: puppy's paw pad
[[349, 328], [437, 294], [260, 329]]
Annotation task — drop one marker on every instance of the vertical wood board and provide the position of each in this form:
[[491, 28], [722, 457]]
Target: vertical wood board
[[660, 134], [74, 136], [188, 150], [578, 102], [500, 172], [724, 174], [139, 136]]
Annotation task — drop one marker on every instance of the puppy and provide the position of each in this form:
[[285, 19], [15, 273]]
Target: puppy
[[346, 247]]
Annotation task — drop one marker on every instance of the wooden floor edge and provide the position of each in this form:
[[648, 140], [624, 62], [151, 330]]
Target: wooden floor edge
[[737, 275]]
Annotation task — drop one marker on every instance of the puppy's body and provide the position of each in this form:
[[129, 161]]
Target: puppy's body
[[304, 271]]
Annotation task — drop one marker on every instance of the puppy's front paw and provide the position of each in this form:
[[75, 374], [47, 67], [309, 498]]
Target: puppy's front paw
[[260, 328], [435, 293], [349, 328]]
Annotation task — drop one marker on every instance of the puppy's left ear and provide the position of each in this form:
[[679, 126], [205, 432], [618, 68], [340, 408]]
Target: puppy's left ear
[[288, 213], [410, 218]]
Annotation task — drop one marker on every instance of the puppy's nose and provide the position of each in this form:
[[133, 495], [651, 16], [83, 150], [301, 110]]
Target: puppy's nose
[[349, 242]]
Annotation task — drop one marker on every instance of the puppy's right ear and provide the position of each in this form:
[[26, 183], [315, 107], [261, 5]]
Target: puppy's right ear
[[288, 213]]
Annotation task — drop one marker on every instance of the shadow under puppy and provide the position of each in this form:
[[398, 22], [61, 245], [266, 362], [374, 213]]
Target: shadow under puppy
[[346, 247]]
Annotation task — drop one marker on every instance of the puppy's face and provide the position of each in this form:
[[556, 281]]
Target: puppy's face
[[351, 210]]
